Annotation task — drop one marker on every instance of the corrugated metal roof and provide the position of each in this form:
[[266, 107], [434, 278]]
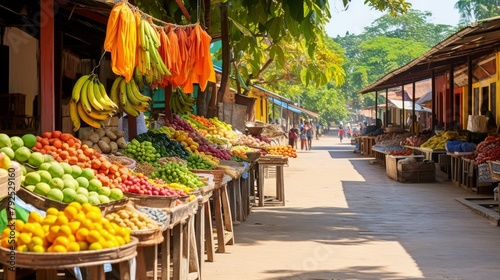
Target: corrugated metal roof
[[472, 42]]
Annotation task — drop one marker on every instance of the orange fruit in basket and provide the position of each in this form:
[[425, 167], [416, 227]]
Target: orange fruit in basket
[[70, 212], [83, 245], [73, 247], [95, 246], [93, 236], [81, 234]]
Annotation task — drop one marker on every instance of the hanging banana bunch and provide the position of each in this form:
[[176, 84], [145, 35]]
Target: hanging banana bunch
[[90, 103], [149, 62], [181, 103], [128, 97]]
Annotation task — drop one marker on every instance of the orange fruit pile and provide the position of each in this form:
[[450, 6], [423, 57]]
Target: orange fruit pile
[[79, 227], [286, 151]]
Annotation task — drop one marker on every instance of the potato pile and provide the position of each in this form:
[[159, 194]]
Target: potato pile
[[250, 141], [132, 219], [105, 141]]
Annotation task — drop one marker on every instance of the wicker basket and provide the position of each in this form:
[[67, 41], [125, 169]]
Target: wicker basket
[[148, 237], [217, 173], [71, 259], [253, 156], [153, 201], [8, 184], [43, 203]]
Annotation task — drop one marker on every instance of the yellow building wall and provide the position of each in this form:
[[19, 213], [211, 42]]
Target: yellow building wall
[[480, 85], [261, 107]]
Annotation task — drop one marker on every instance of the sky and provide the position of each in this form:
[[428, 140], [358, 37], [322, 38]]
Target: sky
[[358, 15]]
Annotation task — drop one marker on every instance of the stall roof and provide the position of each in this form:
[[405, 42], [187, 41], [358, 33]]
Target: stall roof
[[408, 105], [471, 42], [285, 105]]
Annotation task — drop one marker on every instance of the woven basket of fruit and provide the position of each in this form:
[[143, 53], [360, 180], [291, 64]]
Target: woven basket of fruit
[[253, 156], [155, 201], [71, 259], [44, 203], [217, 173]]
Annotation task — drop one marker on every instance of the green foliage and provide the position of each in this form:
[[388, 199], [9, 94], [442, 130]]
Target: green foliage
[[387, 44], [474, 10]]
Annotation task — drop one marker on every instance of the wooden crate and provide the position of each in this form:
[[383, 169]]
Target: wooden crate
[[417, 172], [417, 176], [391, 164]]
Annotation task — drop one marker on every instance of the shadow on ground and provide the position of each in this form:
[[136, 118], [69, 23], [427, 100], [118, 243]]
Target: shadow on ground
[[355, 272]]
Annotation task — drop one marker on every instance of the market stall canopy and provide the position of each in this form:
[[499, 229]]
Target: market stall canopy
[[285, 105], [421, 89], [408, 105], [471, 42]]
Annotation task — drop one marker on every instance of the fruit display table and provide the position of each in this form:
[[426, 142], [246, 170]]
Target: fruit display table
[[47, 264], [278, 163], [366, 145], [391, 166], [428, 154], [456, 169], [180, 234]]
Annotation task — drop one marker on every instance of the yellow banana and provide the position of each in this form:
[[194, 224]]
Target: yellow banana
[[115, 91], [123, 94], [130, 110], [73, 114], [130, 94], [106, 97], [137, 93], [83, 115], [84, 96], [92, 98], [100, 98], [77, 88], [143, 108]]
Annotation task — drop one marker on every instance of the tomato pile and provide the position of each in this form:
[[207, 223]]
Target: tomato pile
[[401, 153]]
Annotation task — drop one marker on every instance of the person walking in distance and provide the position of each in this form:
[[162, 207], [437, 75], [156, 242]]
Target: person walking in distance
[[341, 133], [303, 139], [292, 136], [310, 134]]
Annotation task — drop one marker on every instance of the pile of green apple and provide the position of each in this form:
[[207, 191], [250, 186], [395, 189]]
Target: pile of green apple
[[18, 148], [65, 183]]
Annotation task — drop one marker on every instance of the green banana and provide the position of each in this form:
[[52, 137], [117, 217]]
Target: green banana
[[77, 88]]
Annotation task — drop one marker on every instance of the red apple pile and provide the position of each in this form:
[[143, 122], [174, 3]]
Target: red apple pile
[[141, 186]]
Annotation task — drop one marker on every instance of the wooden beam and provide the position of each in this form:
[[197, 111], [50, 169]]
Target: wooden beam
[[47, 65], [97, 17]]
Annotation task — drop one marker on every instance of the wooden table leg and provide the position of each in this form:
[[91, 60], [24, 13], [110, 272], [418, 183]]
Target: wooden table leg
[[93, 272], [219, 223], [178, 237], [280, 182], [260, 185], [165, 255], [125, 273], [141, 271], [199, 228], [194, 257], [228, 221], [209, 235]]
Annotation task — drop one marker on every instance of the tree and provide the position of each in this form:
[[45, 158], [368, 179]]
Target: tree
[[474, 10], [260, 33], [388, 43]]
